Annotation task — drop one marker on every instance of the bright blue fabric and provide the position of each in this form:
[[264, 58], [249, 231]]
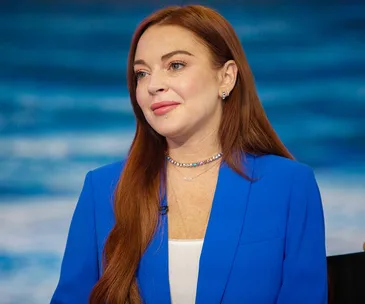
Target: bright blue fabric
[[265, 241]]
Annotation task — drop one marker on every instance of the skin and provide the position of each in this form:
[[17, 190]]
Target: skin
[[185, 77], [171, 64]]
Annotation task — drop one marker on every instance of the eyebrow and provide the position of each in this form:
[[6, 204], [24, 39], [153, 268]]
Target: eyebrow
[[164, 57]]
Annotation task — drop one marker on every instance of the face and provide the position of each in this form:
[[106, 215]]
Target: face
[[177, 87]]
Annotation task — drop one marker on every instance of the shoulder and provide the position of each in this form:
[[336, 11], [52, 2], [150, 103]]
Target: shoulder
[[281, 167], [109, 170], [106, 176], [282, 186], [282, 177]]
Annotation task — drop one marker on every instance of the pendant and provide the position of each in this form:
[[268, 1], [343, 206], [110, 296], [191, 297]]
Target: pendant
[[188, 178]]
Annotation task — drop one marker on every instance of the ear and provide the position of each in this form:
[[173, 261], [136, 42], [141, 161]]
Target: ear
[[228, 77]]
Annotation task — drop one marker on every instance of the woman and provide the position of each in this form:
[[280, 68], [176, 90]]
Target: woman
[[209, 206]]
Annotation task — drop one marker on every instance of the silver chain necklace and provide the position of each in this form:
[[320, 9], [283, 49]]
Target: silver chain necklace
[[190, 178]]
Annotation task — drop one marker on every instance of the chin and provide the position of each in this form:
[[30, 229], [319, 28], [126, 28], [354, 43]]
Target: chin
[[168, 132], [168, 129]]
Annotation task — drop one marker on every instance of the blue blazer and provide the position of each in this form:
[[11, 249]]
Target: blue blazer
[[265, 241]]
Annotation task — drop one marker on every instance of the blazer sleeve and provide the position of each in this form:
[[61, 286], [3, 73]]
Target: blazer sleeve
[[79, 269], [305, 266]]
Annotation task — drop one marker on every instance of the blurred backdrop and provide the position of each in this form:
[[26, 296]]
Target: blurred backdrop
[[64, 109]]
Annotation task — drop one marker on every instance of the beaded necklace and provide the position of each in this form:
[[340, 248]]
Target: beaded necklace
[[196, 164]]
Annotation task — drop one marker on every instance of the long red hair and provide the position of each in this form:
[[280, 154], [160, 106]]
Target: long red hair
[[244, 128]]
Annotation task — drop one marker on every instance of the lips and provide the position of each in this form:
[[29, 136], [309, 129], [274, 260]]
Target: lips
[[163, 107]]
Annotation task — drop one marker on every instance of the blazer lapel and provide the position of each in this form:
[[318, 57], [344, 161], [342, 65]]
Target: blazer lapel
[[220, 243], [223, 233]]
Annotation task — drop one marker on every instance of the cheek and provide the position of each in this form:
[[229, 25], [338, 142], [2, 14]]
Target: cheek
[[144, 102], [142, 98], [199, 89], [190, 87]]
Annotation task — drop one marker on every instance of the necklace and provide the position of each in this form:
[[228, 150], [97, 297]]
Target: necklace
[[196, 164], [182, 218], [190, 178]]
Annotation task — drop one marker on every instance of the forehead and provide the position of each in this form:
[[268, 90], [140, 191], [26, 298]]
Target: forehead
[[161, 39]]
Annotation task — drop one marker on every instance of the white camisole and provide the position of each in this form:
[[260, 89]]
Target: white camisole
[[184, 256]]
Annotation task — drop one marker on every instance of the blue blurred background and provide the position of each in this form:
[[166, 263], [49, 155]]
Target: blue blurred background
[[64, 109]]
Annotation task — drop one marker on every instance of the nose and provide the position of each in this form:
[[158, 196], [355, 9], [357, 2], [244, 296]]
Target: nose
[[157, 83]]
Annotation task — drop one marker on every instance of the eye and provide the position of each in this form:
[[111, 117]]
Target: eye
[[139, 74], [177, 65]]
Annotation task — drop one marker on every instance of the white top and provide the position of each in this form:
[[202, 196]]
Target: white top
[[184, 256]]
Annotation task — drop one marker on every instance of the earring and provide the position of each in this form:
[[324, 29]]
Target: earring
[[224, 95]]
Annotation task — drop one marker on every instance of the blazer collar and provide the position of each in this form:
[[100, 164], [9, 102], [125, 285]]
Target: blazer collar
[[220, 243]]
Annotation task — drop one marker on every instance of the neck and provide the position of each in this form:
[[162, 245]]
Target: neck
[[197, 148]]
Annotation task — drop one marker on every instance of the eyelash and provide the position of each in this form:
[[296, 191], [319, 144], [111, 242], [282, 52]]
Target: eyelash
[[183, 63]]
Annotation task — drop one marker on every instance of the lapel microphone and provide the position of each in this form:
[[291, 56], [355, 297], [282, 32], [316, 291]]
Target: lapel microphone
[[164, 210]]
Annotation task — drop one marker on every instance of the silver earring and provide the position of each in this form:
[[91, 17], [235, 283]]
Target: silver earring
[[224, 95]]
